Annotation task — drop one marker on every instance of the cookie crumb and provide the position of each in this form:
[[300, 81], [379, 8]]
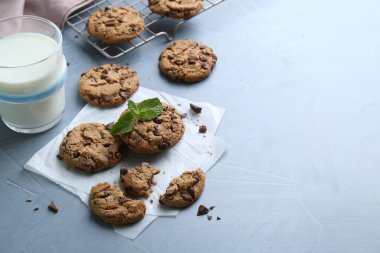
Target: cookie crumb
[[35, 209], [209, 217], [196, 108], [28, 200], [110, 125], [52, 207], [59, 157], [202, 129], [211, 207], [202, 210], [151, 201], [218, 218], [76, 36], [68, 63], [179, 104], [183, 115]]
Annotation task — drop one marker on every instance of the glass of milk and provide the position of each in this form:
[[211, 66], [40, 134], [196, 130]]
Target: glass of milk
[[32, 74]]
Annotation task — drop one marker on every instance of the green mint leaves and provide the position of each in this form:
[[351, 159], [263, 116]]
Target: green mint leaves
[[144, 111]]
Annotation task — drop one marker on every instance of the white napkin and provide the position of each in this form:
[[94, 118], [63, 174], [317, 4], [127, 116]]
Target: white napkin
[[192, 151]]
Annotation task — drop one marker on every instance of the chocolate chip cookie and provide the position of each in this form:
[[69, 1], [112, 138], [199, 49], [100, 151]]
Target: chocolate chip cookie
[[156, 135], [108, 85], [115, 24], [109, 203], [178, 9], [138, 180], [184, 189], [90, 147], [187, 61]]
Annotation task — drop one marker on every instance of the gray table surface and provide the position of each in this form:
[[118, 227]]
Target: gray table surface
[[300, 82]]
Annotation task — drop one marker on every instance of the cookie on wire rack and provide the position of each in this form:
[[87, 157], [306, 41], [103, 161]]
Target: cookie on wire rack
[[115, 24], [177, 9]]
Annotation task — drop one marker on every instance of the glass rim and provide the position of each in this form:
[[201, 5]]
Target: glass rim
[[44, 20]]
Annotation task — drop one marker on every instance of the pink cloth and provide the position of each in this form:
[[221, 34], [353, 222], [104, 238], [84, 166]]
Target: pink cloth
[[56, 11]]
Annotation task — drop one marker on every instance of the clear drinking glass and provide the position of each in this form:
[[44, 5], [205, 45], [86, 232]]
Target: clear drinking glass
[[32, 74]]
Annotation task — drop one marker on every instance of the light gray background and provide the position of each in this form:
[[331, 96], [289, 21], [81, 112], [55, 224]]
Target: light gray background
[[300, 82]]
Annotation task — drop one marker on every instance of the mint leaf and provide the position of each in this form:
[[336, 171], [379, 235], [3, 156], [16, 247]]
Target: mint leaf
[[151, 103], [143, 111], [133, 107], [124, 124], [146, 115]]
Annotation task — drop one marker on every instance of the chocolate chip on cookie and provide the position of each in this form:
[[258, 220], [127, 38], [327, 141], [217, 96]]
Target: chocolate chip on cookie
[[177, 9], [137, 181], [187, 61], [156, 135], [184, 189], [109, 203], [90, 147], [108, 85], [115, 24]]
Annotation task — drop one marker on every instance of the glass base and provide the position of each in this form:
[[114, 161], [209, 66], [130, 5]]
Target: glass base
[[36, 129]]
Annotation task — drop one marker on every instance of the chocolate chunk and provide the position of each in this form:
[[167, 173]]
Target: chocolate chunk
[[106, 98], [187, 197], [117, 155], [218, 218], [202, 129], [196, 108], [28, 200], [111, 22], [157, 120], [168, 197], [209, 217], [178, 62], [203, 58], [87, 143], [174, 127], [191, 62], [107, 8], [35, 209], [170, 57], [123, 171], [123, 94], [76, 154], [110, 125], [202, 210], [205, 65], [211, 207], [59, 157], [52, 207], [82, 74], [202, 47], [103, 77], [196, 177], [163, 146], [191, 191], [106, 145], [157, 132]]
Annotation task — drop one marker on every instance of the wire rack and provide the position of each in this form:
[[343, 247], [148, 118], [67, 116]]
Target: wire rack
[[153, 26]]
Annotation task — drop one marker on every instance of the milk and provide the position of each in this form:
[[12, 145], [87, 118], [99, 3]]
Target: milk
[[32, 72]]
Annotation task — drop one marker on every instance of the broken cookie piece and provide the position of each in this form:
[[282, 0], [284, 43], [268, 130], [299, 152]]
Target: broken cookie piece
[[184, 189], [137, 181], [109, 203]]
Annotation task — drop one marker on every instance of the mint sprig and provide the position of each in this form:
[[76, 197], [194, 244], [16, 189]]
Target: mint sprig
[[144, 111]]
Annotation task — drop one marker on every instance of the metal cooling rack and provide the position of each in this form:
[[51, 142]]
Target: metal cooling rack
[[152, 25]]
